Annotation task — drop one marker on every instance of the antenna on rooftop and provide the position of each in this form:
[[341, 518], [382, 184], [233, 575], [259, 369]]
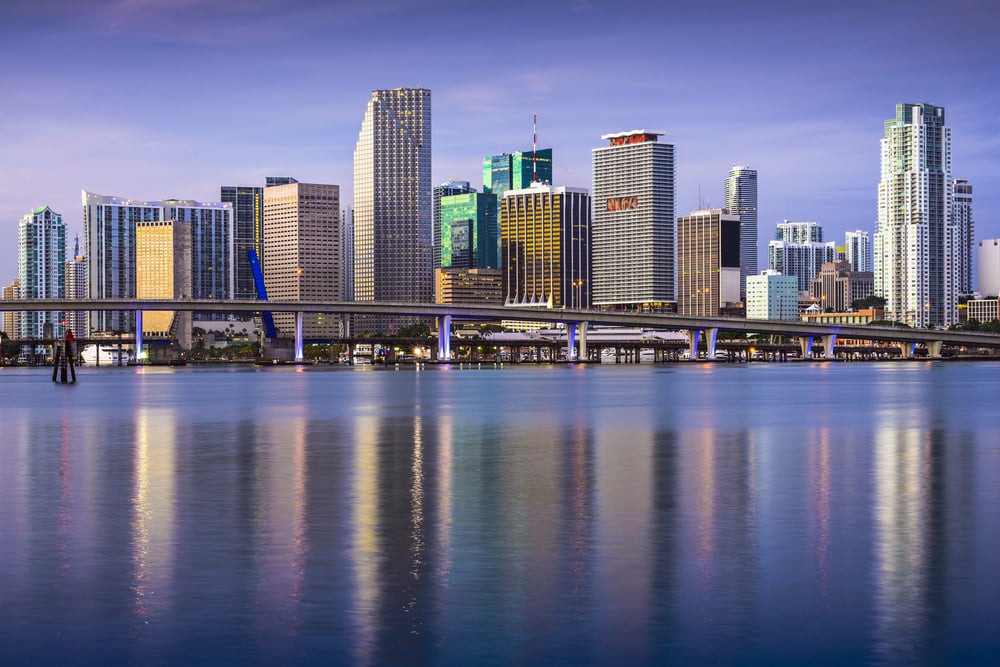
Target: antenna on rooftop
[[534, 147]]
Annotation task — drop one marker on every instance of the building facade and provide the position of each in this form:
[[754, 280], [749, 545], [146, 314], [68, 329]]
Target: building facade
[[741, 200], [772, 296], [392, 203], [545, 246], [965, 234], [475, 286], [109, 232], [469, 233], [11, 325], [41, 257], [248, 234], [799, 232], [446, 189], [75, 273], [302, 245], [836, 287], [633, 229], [708, 263], [983, 310], [858, 250], [802, 260], [988, 267], [915, 240], [516, 171], [163, 261]]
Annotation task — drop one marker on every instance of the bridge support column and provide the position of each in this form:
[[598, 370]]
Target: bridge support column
[[693, 335], [806, 346], [711, 336], [138, 338], [906, 350], [571, 341], [828, 343], [582, 330], [934, 349], [300, 348], [444, 338]]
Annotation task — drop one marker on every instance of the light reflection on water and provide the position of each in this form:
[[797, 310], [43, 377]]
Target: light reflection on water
[[785, 513]]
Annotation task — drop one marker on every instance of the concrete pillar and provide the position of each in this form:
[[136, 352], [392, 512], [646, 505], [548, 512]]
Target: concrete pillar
[[906, 350], [300, 348], [571, 341], [693, 335], [806, 346], [934, 349], [711, 335], [138, 338], [828, 343], [582, 328], [444, 338]]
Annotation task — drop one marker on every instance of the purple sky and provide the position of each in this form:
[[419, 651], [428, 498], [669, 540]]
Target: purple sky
[[172, 98]]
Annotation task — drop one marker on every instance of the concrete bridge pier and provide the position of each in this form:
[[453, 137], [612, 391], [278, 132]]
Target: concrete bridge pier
[[828, 343], [806, 346], [906, 350], [582, 330], [444, 338], [138, 339], [934, 349], [571, 341], [693, 335], [300, 349], [711, 336]]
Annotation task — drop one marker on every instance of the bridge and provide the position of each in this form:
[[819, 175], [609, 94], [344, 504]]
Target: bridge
[[576, 322]]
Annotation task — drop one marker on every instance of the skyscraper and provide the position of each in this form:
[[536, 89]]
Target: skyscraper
[[446, 189], [248, 234], [989, 267], [516, 171], [741, 200], [914, 242], [392, 203], [633, 229], [545, 246], [41, 254], [163, 271], [75, 274], [799, 232], [858, 250], [302, 245], [798, 250], [469, 231], [965, 232], [708, 263]]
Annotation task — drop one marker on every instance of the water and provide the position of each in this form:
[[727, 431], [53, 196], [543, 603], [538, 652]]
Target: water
[[684, 514]]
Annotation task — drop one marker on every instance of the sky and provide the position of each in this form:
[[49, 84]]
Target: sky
[[153, 99]]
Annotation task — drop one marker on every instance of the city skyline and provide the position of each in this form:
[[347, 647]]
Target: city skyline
[[807, 115]]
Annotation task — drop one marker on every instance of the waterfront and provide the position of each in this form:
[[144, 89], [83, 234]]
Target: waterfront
[[683, 514]]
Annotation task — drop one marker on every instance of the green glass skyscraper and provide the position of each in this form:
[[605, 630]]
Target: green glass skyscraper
[[516, 171], [469, 231]]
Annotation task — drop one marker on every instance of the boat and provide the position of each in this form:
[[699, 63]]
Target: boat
[[105, 355]]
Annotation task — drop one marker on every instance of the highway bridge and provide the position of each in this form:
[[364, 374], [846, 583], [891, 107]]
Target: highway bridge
[[576, 322]]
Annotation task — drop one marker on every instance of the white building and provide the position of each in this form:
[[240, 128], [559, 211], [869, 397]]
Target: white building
[[915, 241], [984, 310], [633, 227], [989, 267], [741, 200], [41, 254], [392, 203], [75, 274], [802, 260], [799, 232], [965, 234], [772, 296], [858, 250]]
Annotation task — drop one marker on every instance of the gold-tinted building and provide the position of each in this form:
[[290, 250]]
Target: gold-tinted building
[[163, 271], [477, 286]]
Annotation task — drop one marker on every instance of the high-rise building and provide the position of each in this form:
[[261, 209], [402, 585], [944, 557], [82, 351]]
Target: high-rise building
[[633, 229], [109, 231], [708, 263], [248, 234], [347, 254], [741, 200], [772, 296], [75, 274], [802, 260], [392, 203], [988, 274], [545, 246], [302, 245], [11, 318], [446, 189], [41, 246], [858, 250], [965, 233], [469, 231], [516, 171], [799, 232], [837, 286], [914, 242], [163, 250], [478, 286], [271, 181]]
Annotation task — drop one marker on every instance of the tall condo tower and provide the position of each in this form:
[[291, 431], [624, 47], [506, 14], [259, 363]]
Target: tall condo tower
[[633, 229], [798, 250], [41, 254], [392, 203], [915, 240], [248, 234], [545, 246], [965, 233], [75, 275], [741, 200], [110, 236], [858, 250], [302, 246]]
